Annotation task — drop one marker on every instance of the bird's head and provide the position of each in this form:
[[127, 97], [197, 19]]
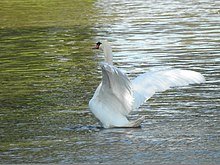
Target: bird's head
[[97, 46], [107, 49]]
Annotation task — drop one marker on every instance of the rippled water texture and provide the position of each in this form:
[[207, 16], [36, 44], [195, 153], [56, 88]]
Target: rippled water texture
[[48, 73]]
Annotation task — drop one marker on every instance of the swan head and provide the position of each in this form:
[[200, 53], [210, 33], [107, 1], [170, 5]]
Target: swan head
[[107, 49], [98, 45], [103, 45]]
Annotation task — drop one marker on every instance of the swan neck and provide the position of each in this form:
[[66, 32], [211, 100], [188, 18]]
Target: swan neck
[[108, 54]]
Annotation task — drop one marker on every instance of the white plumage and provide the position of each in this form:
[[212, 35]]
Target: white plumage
[[147, 84], [117, 96]]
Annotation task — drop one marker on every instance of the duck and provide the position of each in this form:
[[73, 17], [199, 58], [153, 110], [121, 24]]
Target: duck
[[117, 96]]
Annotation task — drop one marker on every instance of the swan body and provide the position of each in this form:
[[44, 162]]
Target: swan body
[[117, 96]]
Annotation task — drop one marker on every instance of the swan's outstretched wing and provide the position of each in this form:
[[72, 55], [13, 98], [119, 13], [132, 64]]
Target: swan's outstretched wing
[[145, 85], [117, 88]]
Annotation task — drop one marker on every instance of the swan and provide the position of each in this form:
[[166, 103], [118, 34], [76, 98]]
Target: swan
[[117, 96]]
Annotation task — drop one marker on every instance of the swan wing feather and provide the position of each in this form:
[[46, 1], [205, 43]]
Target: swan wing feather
[[116, 84], [147, 84]]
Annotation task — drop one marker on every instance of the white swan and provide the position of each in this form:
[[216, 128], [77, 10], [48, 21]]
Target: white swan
[[117, 96]]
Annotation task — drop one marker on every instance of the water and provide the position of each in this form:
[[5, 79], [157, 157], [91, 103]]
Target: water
[[49, 72]]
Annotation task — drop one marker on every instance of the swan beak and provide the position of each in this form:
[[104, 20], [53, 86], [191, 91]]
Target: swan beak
[[97, 45]]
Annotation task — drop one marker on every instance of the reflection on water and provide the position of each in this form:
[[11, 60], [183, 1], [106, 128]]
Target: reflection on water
[[40, 13], [48, 73]]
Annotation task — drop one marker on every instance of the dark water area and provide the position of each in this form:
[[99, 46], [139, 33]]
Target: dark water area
[[48, 74]]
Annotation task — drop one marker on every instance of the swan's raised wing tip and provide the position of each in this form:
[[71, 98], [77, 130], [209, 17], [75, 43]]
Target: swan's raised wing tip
[[196, 77], [147, 84], [106, 66], [203, 80], [118, 86]]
